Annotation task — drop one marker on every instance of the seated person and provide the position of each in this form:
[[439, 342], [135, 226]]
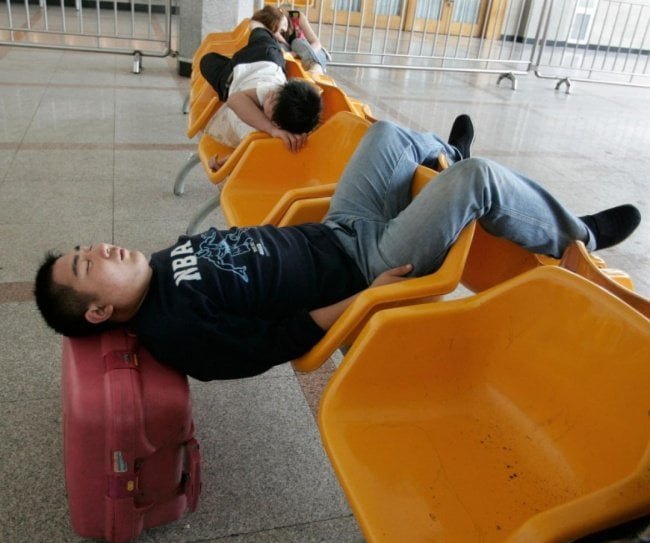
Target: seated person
[[231, 304], [256, 92], [299, 38]]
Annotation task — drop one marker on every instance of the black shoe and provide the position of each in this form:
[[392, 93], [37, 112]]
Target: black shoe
[[613, 225], [462, 135]]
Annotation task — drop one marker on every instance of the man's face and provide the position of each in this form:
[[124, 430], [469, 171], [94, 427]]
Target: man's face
[[111, 275], [269, 103]]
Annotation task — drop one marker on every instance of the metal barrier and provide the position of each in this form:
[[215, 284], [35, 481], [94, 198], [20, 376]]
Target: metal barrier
[[585, 40], [127, 27], [460, 35], [606, 41]]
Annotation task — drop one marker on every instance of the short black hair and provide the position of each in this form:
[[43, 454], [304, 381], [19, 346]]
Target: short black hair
[[62, 307], [298, 106]]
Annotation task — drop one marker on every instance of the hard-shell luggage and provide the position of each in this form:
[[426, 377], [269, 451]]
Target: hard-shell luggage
[[131, 460]]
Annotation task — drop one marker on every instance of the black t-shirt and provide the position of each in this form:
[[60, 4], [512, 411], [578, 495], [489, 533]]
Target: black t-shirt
[[230, 304]]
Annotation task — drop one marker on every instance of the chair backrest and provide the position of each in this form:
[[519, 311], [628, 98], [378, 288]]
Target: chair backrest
[[417, 290], [210, 147], [202, 109], [493, 260], [519, 414], [294, 68], [225, 43], [577, 259], [334, 100], [267, 170]]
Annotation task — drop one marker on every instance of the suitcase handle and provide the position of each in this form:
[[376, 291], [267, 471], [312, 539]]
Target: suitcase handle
[[192, 473]]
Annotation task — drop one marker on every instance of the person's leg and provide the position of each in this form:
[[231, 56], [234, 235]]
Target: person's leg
[[306, 52], [322, 58], [506, 203], [376, 182], [376, 186], [213, 66], [261, 45]]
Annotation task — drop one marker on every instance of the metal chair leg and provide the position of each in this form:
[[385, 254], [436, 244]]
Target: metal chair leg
[[186, 104], [202, 213], [179, 184], [137, 62], [511, 77], [566, 81]]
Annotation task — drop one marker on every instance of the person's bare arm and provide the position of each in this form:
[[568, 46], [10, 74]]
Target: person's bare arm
[[247, 107], [325, 317], [310, 35]]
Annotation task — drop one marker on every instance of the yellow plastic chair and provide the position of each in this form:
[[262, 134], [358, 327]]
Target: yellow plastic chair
[[493, 260], [208, 148], [416, 290], [225, 43], [516, 415], [577, 259], [267, 170], [334, 100], [294, 68], [202, 109]]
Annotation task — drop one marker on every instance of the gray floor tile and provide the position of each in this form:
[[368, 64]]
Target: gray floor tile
[[339, 530], [33, 504], [22, 246], [143, 177], [74, 115], [6, 157], [30, 360]]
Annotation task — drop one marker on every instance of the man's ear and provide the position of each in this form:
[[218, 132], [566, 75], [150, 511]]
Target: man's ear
[[97, 314]]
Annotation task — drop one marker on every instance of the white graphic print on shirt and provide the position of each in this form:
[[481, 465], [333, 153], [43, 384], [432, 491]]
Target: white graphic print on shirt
[[222, 254]]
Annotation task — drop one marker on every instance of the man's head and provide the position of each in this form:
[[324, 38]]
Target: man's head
[[297, 107], [91, 288]]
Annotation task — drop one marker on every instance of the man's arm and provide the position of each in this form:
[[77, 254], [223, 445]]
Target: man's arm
[[310, 35], [325, 317], [247, 107]]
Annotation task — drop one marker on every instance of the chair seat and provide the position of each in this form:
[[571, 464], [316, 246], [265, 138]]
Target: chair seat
[[210, 147], [267, 170], [519, 414]]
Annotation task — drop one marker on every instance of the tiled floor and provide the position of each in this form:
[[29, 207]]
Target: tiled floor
[[89, 151]]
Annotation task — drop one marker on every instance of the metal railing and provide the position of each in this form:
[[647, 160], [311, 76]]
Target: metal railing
[[606, 41], [584, 40], [125, 27]]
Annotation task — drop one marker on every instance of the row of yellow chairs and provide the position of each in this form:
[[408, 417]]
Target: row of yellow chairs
[[204, 103], [516, 414], [485, 421]]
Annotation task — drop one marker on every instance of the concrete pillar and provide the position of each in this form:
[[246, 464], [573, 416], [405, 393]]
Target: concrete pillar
[[200, 17]]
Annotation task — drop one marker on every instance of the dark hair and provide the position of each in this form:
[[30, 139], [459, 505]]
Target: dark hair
[[270, 17], [298, 106], [62, 307]]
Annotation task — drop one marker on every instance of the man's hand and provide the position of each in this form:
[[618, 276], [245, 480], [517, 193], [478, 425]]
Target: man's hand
[[326, 316], [294, 142], [392, 276]]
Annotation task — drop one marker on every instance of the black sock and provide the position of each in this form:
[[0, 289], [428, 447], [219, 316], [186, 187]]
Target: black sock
[[613, 225]]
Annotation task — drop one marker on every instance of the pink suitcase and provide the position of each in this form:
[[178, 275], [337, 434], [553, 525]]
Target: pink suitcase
[[131, 460]]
